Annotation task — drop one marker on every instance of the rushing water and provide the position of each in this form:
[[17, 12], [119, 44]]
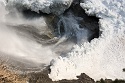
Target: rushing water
[[34, 33], [32, 43]]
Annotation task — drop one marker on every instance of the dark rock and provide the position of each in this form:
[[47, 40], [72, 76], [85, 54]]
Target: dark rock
[[123, 69], [42, 77]]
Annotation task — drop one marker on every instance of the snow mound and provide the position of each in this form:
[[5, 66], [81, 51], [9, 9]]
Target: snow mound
[[103, 57], [46, 6]]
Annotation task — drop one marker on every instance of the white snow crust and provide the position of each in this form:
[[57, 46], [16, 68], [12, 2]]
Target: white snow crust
[[46, 6], [103, 57]]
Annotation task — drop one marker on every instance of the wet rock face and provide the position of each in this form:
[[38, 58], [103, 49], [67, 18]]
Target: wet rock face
[[42, 77]]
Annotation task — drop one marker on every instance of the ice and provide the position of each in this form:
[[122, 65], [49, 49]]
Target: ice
[[103, 57], [46, 6]]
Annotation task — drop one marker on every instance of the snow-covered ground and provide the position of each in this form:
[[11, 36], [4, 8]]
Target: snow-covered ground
[[103, 57]]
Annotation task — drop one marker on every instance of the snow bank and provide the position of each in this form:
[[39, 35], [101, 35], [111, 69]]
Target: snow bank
[[103, 57], [46, 6]]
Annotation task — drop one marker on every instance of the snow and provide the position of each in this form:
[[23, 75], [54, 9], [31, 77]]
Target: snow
[[103, 57], [46, 6]]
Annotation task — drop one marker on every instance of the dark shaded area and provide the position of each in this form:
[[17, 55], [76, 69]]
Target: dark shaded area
[[33, 32], [110, 81], [88, 22], [42, 77], [27, 13], [4, 80], [123, 69]]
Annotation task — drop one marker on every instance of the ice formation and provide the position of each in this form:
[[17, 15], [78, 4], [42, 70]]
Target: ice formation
[[103, 57], [46, 6]]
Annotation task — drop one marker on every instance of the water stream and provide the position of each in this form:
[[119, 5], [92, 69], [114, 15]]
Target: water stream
[[30, 40]]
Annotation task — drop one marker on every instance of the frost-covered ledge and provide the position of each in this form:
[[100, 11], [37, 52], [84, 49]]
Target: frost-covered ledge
[[46, 6], [103, 57]]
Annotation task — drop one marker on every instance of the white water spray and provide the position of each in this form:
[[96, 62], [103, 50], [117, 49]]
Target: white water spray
[[20, 46]]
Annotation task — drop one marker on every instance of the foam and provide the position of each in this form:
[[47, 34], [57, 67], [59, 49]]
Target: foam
[[103, 57]]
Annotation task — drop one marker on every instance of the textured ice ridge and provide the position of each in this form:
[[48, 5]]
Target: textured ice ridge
[[46, 6]]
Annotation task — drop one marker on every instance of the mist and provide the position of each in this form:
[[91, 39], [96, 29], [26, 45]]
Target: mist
[[18, 45], [30, 43]]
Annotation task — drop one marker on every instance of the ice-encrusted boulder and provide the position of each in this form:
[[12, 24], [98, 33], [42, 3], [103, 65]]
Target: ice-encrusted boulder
[[45, 6]]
